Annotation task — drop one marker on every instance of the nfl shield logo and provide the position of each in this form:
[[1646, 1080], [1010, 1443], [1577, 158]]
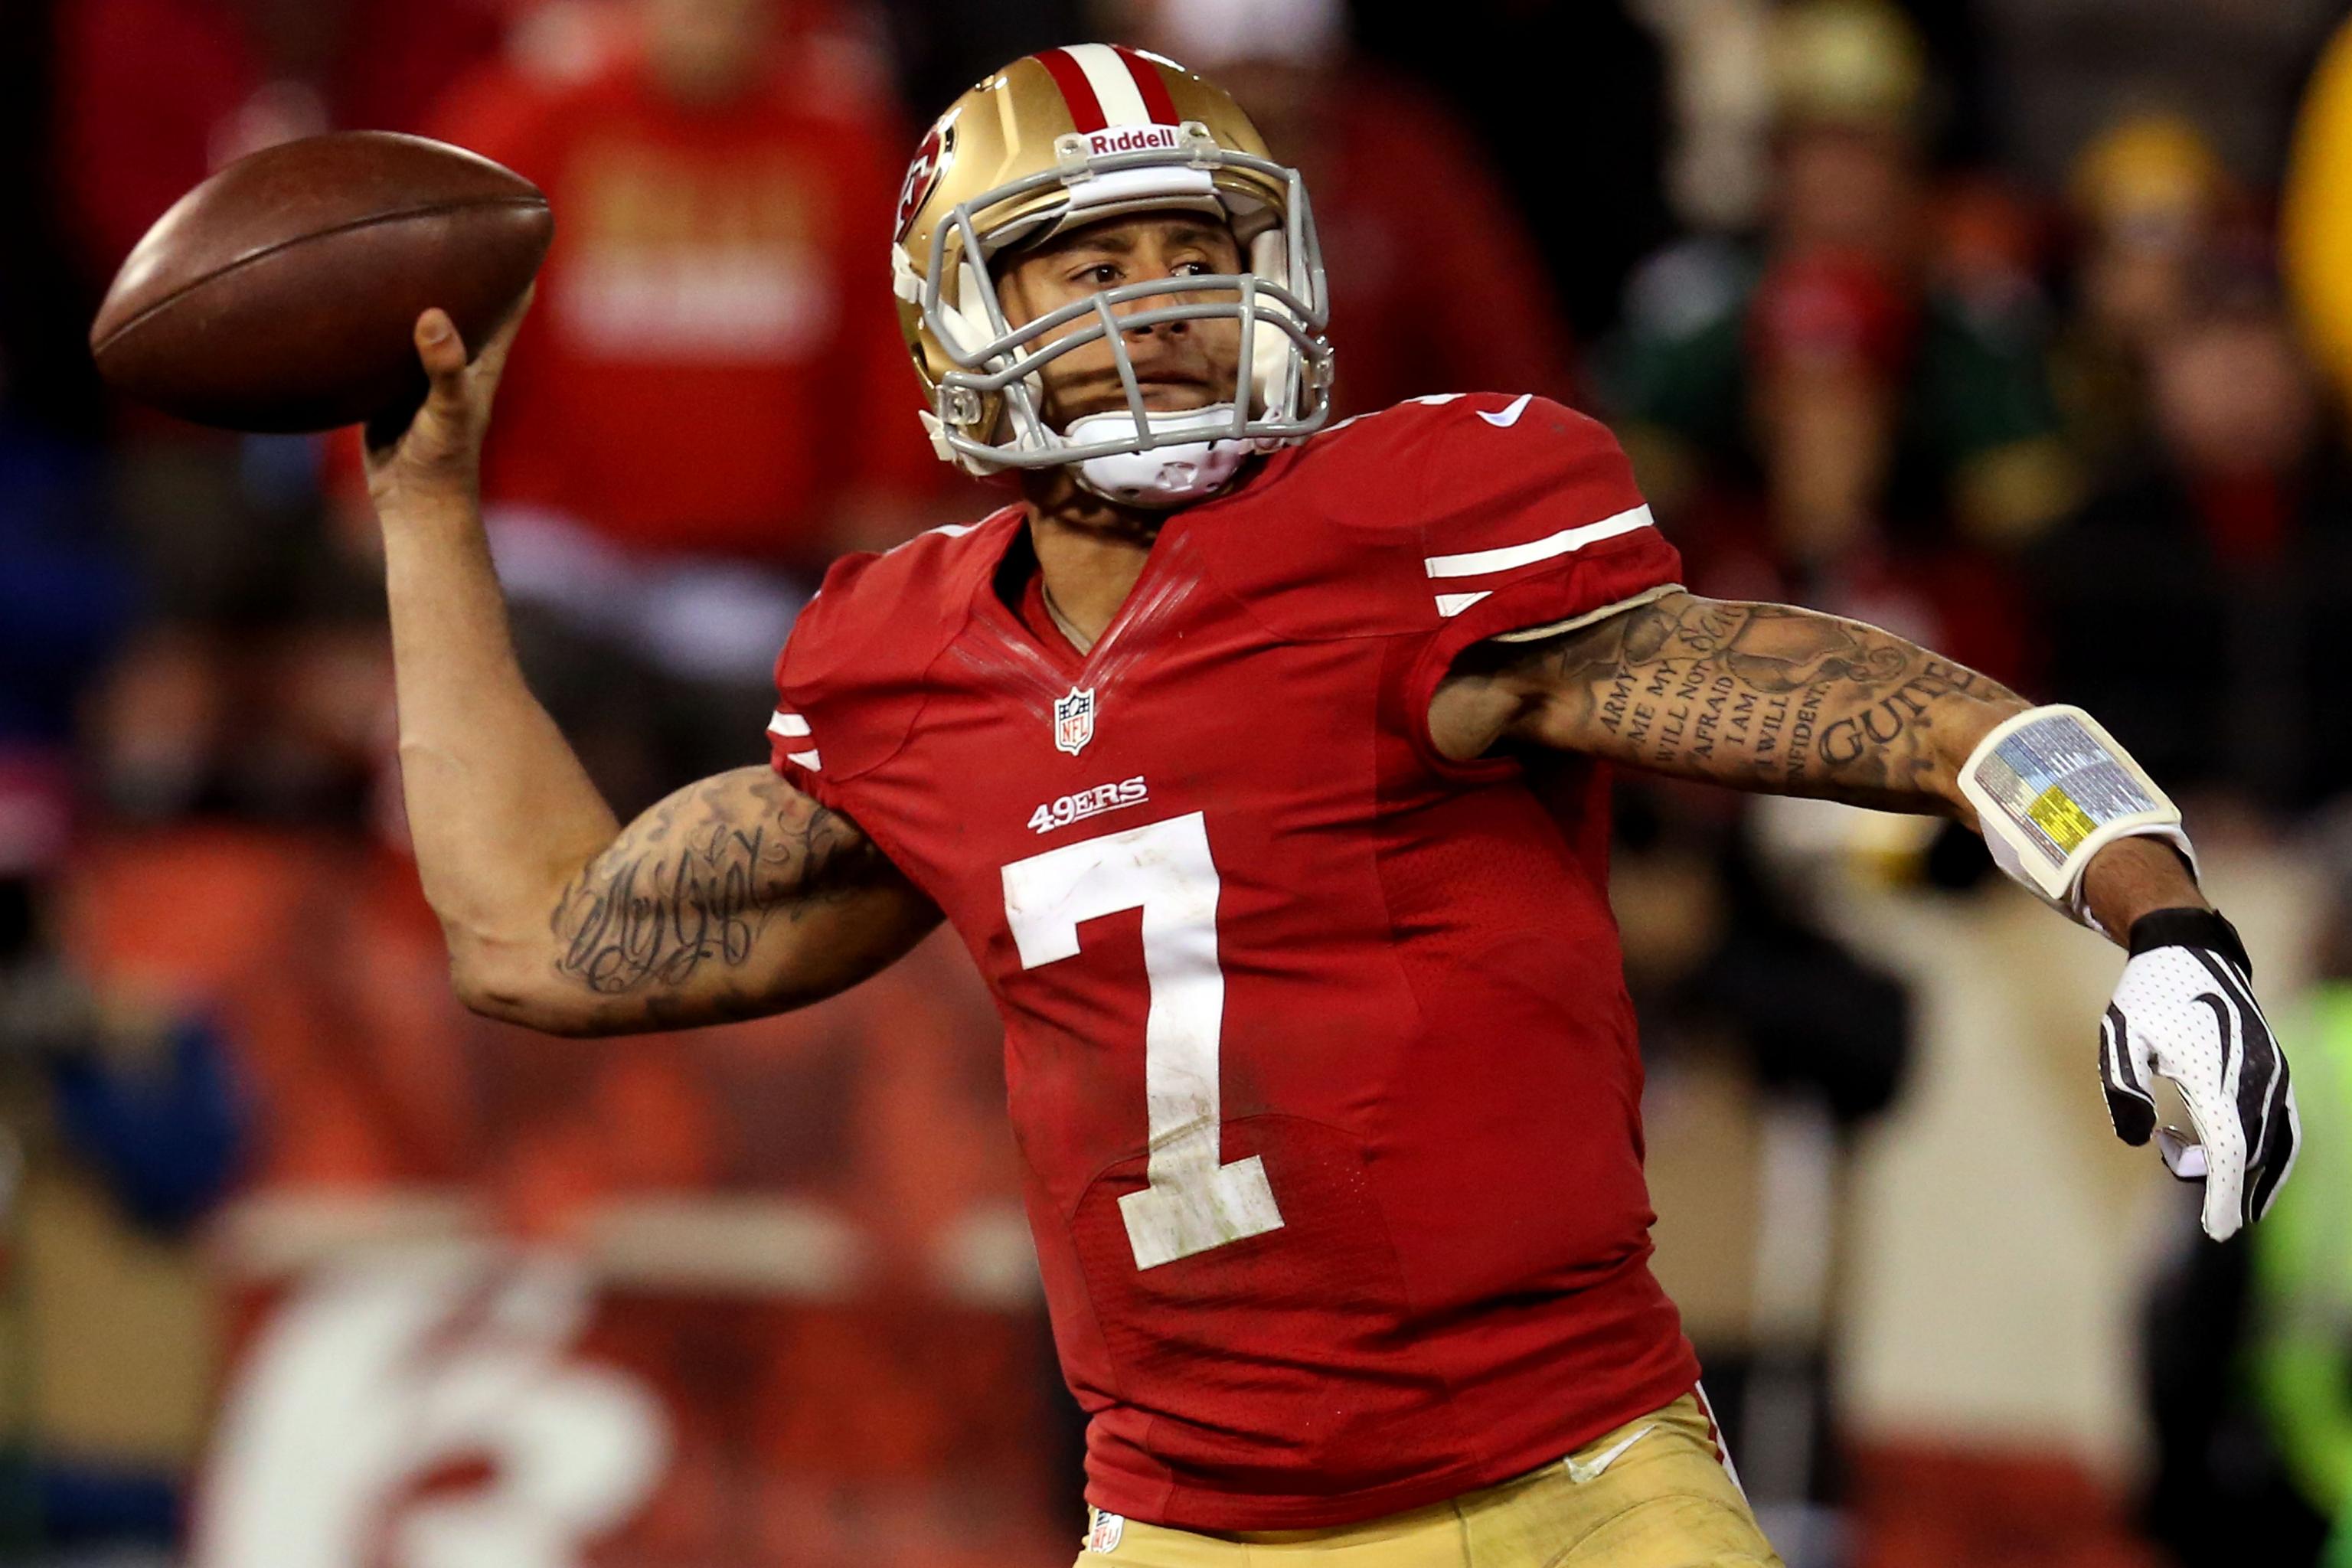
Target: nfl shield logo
[[1073, 720]]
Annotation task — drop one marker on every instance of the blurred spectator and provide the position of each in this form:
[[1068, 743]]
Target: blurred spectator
[[2156, 224], [1822, 501], [2195, 605], [119, 1124], [710, 400], [1436, 285], [1886, 399]]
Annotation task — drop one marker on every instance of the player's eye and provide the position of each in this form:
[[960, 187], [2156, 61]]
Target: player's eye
[[1193, 270], [1101, 275]]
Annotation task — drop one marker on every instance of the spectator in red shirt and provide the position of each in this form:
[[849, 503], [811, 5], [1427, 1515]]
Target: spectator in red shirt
[[709, 401], [702, 374]]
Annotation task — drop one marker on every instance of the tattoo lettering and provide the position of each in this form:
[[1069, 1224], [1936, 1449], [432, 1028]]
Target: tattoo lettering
[[695, 882], [1764, 696]]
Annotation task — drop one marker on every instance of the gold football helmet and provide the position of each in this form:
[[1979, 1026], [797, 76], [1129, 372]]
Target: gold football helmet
[[1065, 138]]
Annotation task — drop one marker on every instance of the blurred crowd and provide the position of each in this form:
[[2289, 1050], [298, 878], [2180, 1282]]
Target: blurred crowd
[[2020, 327]]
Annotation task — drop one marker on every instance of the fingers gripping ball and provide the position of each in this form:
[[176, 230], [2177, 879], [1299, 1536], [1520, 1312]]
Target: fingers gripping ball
[[436, 440], [2185, 1011]]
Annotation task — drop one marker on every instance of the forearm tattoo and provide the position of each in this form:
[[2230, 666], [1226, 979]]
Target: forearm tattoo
[[691, 886], [1763, 696]]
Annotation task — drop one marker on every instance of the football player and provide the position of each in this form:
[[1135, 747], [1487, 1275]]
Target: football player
[[1214, 748]]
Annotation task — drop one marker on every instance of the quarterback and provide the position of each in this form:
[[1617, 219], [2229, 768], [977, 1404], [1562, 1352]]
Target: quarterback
[[1216, 750]]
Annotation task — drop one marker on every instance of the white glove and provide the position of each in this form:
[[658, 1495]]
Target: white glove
[[2185, 1010]]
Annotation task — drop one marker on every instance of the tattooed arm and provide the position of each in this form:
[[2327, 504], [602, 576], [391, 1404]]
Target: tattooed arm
[[737, 895], [1768, 698], [1762, 697]]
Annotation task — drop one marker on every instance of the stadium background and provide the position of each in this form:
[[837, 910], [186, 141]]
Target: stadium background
[[2020, 326]]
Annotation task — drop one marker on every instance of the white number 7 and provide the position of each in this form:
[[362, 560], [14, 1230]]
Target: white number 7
[[1193, 1203]]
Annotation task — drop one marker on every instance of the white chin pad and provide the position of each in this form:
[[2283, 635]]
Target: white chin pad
[[1164, 476]]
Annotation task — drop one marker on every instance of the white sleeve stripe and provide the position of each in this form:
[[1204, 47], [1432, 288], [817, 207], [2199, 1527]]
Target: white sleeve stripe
[[1478, 562], [787, 724], [808, 760], [1452, 604]]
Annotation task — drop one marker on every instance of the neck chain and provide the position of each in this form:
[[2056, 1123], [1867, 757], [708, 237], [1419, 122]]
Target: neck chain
[[1078, 639]]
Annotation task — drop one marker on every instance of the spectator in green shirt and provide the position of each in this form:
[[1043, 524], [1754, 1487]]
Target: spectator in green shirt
[[1969, 433]]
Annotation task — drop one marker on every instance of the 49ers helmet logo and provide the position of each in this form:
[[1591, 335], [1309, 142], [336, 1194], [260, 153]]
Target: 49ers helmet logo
[[931, 160]]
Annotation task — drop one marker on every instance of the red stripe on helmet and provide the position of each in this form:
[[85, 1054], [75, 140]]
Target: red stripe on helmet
[[1150, 84], [1077, 93]]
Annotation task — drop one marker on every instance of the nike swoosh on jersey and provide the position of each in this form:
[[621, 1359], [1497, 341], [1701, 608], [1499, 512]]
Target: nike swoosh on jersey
[[1509, 417], [1585, 1471]]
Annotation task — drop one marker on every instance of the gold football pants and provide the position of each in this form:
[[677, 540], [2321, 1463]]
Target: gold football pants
[[1654, 1493]]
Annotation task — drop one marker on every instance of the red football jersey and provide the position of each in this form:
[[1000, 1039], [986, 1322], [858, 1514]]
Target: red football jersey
[[1318, 1049]]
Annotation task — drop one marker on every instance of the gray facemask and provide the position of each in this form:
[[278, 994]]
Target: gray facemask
[[1131, 455]]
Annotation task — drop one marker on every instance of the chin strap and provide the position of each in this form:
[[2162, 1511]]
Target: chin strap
[[1170, 475]]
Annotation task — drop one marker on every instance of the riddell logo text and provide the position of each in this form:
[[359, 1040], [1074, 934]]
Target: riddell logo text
[[1088, 803], [1131, 139]]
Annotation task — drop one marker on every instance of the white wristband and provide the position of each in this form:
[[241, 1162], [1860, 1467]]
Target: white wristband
[[2050, 790]]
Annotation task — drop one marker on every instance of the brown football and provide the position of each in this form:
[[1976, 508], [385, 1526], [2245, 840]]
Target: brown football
[[280, 294]]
